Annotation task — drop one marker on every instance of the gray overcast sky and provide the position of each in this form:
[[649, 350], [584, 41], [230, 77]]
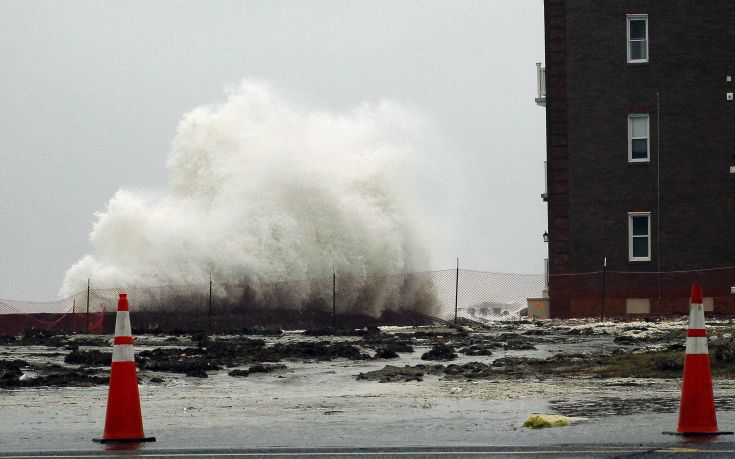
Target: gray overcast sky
[[92, 92]]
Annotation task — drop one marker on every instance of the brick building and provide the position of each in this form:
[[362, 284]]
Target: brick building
[[640, 123]]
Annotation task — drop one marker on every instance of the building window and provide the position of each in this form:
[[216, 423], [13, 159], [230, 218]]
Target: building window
[[638, 140], [637, 38], [639, 239]]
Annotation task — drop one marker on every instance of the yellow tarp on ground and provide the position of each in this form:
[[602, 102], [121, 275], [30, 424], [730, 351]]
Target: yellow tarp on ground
[[539, 421]]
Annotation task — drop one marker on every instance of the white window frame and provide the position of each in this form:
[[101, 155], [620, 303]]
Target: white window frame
[[636, 17], [630, 235], [631, 138]]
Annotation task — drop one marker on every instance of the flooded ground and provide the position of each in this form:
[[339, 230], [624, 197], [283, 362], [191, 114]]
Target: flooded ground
[[393, 386]]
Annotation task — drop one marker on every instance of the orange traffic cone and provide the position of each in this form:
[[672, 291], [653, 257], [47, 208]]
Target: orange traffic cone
[[697, 410], [123, 422]]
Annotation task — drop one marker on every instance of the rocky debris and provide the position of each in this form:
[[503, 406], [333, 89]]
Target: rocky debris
[[42, 338], [386, 353], [624, 340], [396, 343], [231, 351], [440, 352], [53, 338], [7, 339], [515, 342], [175, 361], [657, 351], [258, 369], [584, 331], [323, 350], [723, 351], [53, 376], [336, 332], [400, 346], [79, 378], [477, 349], [470, 370], [391, 373], [10, 371], [262, 331], [212, 354], [91, 341], [96, 358], [156, 380], [437, 335], [385, 344], [537, 332]]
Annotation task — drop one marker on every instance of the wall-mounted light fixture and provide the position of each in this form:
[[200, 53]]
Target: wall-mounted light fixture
[[546, 236]]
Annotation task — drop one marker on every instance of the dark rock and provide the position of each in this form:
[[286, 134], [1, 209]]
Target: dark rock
[[476, 349], [96, 358], [390, 373], [440, 352], [257, 368], [262, 331], [237, 372], [7, 339], [624, 340], [196, 372], [470, 370], [386, 353]]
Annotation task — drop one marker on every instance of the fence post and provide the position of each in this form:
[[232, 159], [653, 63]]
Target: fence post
[[456, 294], [334, 299], [209, 310], [87, 315], [602, 300]]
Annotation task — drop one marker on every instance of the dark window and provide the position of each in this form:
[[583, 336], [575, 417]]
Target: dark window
[[639, 236], [638, 38]]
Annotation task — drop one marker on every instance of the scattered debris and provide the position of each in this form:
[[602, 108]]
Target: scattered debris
[[53, 375], [440, 352], [386, 353], [10, 371], [258, 368], [513, 341], [262, 331], [645, 350], [540, 421], [390, 373], [476, 349], [470, 370], [95, 358]]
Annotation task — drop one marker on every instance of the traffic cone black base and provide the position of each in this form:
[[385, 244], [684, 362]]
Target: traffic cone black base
[[123, 440]]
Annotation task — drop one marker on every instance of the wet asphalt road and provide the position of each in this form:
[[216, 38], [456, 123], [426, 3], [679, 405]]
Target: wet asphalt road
[[565, 451]]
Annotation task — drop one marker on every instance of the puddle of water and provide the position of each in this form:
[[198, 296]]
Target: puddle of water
[[618, 406]]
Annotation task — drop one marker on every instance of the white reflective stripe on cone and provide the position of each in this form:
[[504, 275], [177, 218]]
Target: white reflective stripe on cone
[[697, 345], [122, 353], [122, 324], [696, 317]]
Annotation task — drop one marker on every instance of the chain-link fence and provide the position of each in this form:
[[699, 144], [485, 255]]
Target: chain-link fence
[[340, 301], [351, 301]]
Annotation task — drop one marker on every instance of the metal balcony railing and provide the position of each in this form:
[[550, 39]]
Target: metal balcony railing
[[540, 84]]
